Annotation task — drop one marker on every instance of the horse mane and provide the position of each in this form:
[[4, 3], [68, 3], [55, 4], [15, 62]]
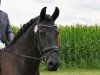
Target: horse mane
[[23, 30]]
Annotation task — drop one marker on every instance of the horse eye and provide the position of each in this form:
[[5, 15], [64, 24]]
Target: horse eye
[[42, 34]]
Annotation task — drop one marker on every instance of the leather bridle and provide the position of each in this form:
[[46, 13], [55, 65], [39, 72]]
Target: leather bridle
[[50, 50]]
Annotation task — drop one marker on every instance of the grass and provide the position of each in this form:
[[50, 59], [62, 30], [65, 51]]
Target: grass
[[72, 72]]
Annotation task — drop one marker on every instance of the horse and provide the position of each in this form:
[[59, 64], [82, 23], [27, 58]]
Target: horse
[[35, 41]]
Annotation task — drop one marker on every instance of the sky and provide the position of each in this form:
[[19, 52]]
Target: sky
[[71, 11]]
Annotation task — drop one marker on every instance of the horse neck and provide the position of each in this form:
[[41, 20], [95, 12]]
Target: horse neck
[[26, 42], [34, 64], [26, 45]]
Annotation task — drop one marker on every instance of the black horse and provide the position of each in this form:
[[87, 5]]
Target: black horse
[[36, 40]]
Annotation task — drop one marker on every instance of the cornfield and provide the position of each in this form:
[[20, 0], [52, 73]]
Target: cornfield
[[80, 46]]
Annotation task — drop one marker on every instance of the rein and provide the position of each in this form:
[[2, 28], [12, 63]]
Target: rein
[[36, 58], [22, 55]]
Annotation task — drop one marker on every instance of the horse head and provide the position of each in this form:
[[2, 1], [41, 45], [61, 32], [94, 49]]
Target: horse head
[[47, 35]]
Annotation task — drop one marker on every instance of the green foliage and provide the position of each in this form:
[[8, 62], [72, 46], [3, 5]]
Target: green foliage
[[80, 46], [15, 29]]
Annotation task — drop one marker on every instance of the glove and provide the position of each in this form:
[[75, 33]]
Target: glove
[[2, 45]]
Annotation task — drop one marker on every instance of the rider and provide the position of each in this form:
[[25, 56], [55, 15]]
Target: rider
[[6, 35]]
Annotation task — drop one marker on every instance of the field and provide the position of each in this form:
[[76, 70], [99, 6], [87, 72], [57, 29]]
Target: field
[[80, 46], [72, 72]]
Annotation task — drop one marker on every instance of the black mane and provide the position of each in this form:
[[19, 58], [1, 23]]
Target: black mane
[[23, 30]]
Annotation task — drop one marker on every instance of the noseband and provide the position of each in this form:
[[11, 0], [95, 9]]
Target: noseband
[[50, 50]]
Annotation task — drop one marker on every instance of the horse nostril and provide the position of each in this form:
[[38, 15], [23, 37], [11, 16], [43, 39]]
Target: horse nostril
[[51, 63]]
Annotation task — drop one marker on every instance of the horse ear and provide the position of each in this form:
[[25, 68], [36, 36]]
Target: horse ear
[[55, 14], [43, 13]]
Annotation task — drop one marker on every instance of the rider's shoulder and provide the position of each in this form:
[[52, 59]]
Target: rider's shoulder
[[3, 12]]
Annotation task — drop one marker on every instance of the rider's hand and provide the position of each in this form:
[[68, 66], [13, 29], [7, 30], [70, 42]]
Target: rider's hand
[[2, 45]]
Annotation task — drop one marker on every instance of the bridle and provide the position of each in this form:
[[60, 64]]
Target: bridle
[[50, 50]]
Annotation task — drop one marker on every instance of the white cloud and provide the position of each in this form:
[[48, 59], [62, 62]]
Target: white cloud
[[71, 11]]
